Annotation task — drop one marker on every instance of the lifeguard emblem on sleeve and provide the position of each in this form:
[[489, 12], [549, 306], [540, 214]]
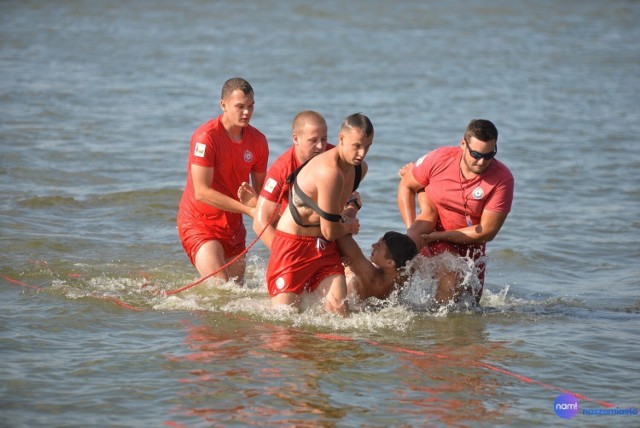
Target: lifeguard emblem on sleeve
[[270, 185], [248, 156], [199, 150]]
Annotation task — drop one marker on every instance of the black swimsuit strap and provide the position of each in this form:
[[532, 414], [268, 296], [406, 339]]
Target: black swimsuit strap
[[357, 178], [292, 179]]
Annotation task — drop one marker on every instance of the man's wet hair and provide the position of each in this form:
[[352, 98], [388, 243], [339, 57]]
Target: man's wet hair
[[400, 248], [358, 121], [233, 84], [482, 129]]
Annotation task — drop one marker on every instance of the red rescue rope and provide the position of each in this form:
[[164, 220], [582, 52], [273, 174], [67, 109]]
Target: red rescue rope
[[491, 367], [23, 284], [242, 254], [324, 336]]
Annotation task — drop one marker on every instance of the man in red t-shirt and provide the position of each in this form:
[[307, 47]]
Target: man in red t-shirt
[[309, 135], [467, 197], [224, 152]]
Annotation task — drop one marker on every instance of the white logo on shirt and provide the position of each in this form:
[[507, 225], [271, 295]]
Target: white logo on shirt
[[270, 185], [419, 161], [248, 156], [478, 193], [280, 283], [199, 151]]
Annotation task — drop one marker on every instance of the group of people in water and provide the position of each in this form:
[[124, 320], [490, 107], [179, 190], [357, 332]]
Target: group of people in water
[[304, 207]]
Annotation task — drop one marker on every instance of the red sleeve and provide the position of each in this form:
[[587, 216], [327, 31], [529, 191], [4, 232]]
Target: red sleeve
[[422, 169], [277, 175], [202, 150], [262, 153], [502, 196]]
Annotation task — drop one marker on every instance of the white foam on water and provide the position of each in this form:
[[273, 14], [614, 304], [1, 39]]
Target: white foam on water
[[251, 299]]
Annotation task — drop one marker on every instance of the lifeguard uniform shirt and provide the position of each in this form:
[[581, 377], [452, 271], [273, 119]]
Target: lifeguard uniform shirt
[[439, 172], [275, 183], [232, 164]]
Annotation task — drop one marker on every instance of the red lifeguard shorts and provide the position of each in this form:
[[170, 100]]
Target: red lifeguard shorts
[[194, 232], [300, 263]]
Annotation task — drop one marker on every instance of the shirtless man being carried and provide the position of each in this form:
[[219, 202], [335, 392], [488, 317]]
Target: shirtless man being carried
[[382, 273]]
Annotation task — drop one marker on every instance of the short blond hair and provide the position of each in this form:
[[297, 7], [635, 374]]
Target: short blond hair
[[305, 116]]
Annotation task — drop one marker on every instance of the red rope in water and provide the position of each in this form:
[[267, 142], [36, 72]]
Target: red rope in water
[[392, 347], [23, 284], [242, 254], [475, 363], [344, 338]]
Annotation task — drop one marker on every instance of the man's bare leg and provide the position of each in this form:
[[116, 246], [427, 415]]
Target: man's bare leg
[[210, 258], [334, 291], [286, 299], [448, 285]]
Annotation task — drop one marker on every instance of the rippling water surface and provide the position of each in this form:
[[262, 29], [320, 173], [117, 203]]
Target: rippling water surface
[[99, 100]]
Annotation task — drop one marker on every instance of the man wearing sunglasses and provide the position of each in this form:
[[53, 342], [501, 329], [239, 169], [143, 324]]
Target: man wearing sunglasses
[[465, 195]]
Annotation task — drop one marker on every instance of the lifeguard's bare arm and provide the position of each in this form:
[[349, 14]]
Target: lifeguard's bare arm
[[407, 190], [266, 218], [330, 187], [363, 271], [490, 224], [202, 178], [424, 223], [358, 262]]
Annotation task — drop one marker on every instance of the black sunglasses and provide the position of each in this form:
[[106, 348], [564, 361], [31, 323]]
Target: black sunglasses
[[478, 155]]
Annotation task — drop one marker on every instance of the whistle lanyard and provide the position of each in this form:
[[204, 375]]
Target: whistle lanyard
[[464, 200]]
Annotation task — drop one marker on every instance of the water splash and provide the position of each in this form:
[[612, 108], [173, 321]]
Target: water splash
[[419, 293]]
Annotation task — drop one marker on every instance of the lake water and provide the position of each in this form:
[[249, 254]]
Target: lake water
[[99, 100]]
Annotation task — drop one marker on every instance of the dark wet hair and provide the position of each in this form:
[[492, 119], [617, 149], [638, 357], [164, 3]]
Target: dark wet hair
[[481, 129], [359, 121], [233, 84], [400, 248]]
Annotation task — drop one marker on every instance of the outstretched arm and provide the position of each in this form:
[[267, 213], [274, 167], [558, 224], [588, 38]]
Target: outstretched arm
[[363, 270]]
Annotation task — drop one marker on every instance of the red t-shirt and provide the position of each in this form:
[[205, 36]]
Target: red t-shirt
[[439, 172], [276, 181], [232, 163]]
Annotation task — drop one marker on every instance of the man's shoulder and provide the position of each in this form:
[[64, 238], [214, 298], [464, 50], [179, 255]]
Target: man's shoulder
[[207, 130], [438, 159], [288, 156], [445, 152], [502, 171], [285, 162], [254, 134]]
